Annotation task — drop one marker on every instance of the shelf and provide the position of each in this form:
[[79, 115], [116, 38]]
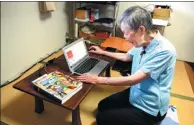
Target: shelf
[[81, 20], [94, 35], [100, 2], [95, 24], [105, 23]]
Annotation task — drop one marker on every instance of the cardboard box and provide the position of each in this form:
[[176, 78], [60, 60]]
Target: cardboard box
[[47, 6], [161, 13], [81, 14]]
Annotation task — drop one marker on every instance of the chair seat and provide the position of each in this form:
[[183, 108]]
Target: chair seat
[[171, 117]]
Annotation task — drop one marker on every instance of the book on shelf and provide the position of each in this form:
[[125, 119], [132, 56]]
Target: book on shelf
[[57, 85]]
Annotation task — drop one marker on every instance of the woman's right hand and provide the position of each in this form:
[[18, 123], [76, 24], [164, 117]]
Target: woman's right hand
[[96, 49]]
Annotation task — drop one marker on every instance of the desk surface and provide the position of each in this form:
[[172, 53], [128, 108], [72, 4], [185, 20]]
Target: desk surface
[[118, 43], [59, 64]]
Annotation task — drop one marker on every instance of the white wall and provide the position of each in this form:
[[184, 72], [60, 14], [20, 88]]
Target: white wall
[[27, 35], [181, 32]]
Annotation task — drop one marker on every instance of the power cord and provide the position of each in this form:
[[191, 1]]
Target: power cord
[[45, 64]]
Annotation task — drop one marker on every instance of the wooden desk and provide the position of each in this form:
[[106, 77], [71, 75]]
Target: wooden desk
[[72, 104], [118, 43], [121, 45]]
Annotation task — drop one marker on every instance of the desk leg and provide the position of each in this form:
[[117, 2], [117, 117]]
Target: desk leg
[[76, 117], [39, 105], [108, 71]]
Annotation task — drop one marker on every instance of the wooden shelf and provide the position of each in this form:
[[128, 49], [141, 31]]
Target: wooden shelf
[[100, 2]]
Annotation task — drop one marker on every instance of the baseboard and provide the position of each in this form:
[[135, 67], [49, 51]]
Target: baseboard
[[3, 123], [192, 65], [190, 73]]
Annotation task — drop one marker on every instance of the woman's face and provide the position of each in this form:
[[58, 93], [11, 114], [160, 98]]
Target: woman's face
[[134, 37]]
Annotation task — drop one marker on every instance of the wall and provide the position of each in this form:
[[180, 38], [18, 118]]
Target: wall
[[27, 35], [180, 33]]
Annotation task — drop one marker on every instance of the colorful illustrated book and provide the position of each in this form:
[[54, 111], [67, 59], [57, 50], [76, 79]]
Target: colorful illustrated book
[[58, 86]]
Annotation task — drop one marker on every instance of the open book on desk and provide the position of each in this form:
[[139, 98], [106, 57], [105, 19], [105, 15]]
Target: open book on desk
[[57, 86]]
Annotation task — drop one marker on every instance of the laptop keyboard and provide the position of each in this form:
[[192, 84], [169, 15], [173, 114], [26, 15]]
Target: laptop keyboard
[[87, 65]]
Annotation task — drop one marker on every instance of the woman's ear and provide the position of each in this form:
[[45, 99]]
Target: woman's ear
[[142, 29]]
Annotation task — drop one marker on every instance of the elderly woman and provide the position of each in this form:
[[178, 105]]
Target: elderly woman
[[153, 58]]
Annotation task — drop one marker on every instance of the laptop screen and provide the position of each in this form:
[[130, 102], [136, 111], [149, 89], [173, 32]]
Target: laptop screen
[[75, 52]]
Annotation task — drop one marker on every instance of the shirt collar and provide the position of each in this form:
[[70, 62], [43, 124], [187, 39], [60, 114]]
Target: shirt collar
[[153, 43]]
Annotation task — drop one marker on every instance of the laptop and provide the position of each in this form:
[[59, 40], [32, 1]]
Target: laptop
[[78, 60]]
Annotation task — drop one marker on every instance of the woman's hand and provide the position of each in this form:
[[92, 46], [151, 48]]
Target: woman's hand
[[88, 78], [96, 49]]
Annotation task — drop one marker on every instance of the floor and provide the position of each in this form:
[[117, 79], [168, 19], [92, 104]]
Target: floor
[[17, 108]]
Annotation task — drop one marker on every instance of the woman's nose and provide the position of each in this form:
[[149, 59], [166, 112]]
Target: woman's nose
[[125, 36]]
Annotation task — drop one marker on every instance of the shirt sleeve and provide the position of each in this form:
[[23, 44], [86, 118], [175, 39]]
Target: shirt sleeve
[[157, 64], [131, 52]]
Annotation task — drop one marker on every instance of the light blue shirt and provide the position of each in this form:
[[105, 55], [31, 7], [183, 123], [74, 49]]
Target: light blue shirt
[[152, 95]]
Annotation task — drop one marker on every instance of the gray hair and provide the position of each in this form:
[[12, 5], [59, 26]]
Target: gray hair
[[136, 16]]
